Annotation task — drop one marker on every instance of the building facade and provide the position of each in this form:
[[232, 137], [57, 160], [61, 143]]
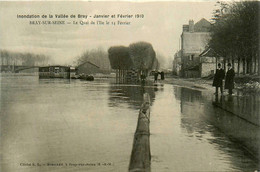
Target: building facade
[[194, 39]]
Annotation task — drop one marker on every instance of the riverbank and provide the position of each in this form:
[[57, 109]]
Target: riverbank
[[195, 83], [243, 84]]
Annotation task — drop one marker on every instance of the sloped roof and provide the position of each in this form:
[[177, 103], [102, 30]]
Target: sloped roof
[[88, 63], [202, 26], [195, 67], [209, 52]]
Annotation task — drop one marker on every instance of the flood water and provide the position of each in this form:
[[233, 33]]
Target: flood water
[[73, 125]]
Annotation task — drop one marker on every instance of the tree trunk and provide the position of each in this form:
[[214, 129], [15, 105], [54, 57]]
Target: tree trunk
[[121, 75], [258, 64], [251, 66], [247, 67], [238, 66], [216, 62], [248, 70], [124, 75], [233, 64], [244, 66], [116, 75], [224, 65]]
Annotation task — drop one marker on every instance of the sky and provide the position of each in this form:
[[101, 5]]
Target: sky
[[161, 26]]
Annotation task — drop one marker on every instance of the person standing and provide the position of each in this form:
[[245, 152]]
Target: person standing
[[162, 75], [229, 81], [155, 76], [218, 79], [143, 77]]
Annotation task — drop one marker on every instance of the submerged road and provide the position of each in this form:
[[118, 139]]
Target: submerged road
[[73, 125]]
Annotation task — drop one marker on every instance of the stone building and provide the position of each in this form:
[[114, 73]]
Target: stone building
[[208, 62], [194, 39]]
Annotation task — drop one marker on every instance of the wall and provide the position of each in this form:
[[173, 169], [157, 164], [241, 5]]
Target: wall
[[192, 74], [194, 42], [207, 69]]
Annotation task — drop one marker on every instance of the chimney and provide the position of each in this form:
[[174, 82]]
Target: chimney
[[191, 25], [185, 28]]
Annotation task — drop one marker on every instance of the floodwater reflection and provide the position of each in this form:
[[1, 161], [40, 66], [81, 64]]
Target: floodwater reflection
[[189, 134], [62, 121], [132, 94]]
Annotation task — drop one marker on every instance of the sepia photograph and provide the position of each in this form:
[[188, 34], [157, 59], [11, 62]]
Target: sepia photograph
[[129, 86]]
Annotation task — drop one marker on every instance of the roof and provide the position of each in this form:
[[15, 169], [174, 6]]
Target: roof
[[202, 26], [54, 66], [209, 52], [88, 63], [196, 67]]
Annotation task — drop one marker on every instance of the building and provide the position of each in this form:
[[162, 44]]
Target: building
[[194, 39], [176, 64], [54, 72], [208, 62], [87, 68]]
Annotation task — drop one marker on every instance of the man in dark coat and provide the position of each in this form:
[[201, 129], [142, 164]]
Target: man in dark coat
[[229, 82], [162, 75], [155, 76], [218, 79]]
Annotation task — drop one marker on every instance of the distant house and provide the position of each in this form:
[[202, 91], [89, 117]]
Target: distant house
[[194, 39], [208, 62], [54, 72], [176, 64], [87, 68]]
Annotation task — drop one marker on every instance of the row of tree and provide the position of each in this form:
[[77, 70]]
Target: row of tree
[[23, 59], [235, 34], [140, 56]]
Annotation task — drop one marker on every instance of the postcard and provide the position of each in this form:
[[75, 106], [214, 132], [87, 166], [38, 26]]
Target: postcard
[[113, 86]]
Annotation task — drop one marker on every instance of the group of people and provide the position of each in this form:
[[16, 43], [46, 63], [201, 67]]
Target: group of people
[[229, 79], [156, 73]]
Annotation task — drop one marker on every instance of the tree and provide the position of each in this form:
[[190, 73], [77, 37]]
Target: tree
[[119, 57], [142, 55], [235, 33], [26, 59], [97, 56]]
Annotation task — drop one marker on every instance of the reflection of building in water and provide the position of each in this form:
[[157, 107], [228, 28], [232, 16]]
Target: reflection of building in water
[[199, 116], [191, 109], [130, 94]]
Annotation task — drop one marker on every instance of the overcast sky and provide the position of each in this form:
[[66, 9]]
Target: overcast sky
[[161, 26]]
